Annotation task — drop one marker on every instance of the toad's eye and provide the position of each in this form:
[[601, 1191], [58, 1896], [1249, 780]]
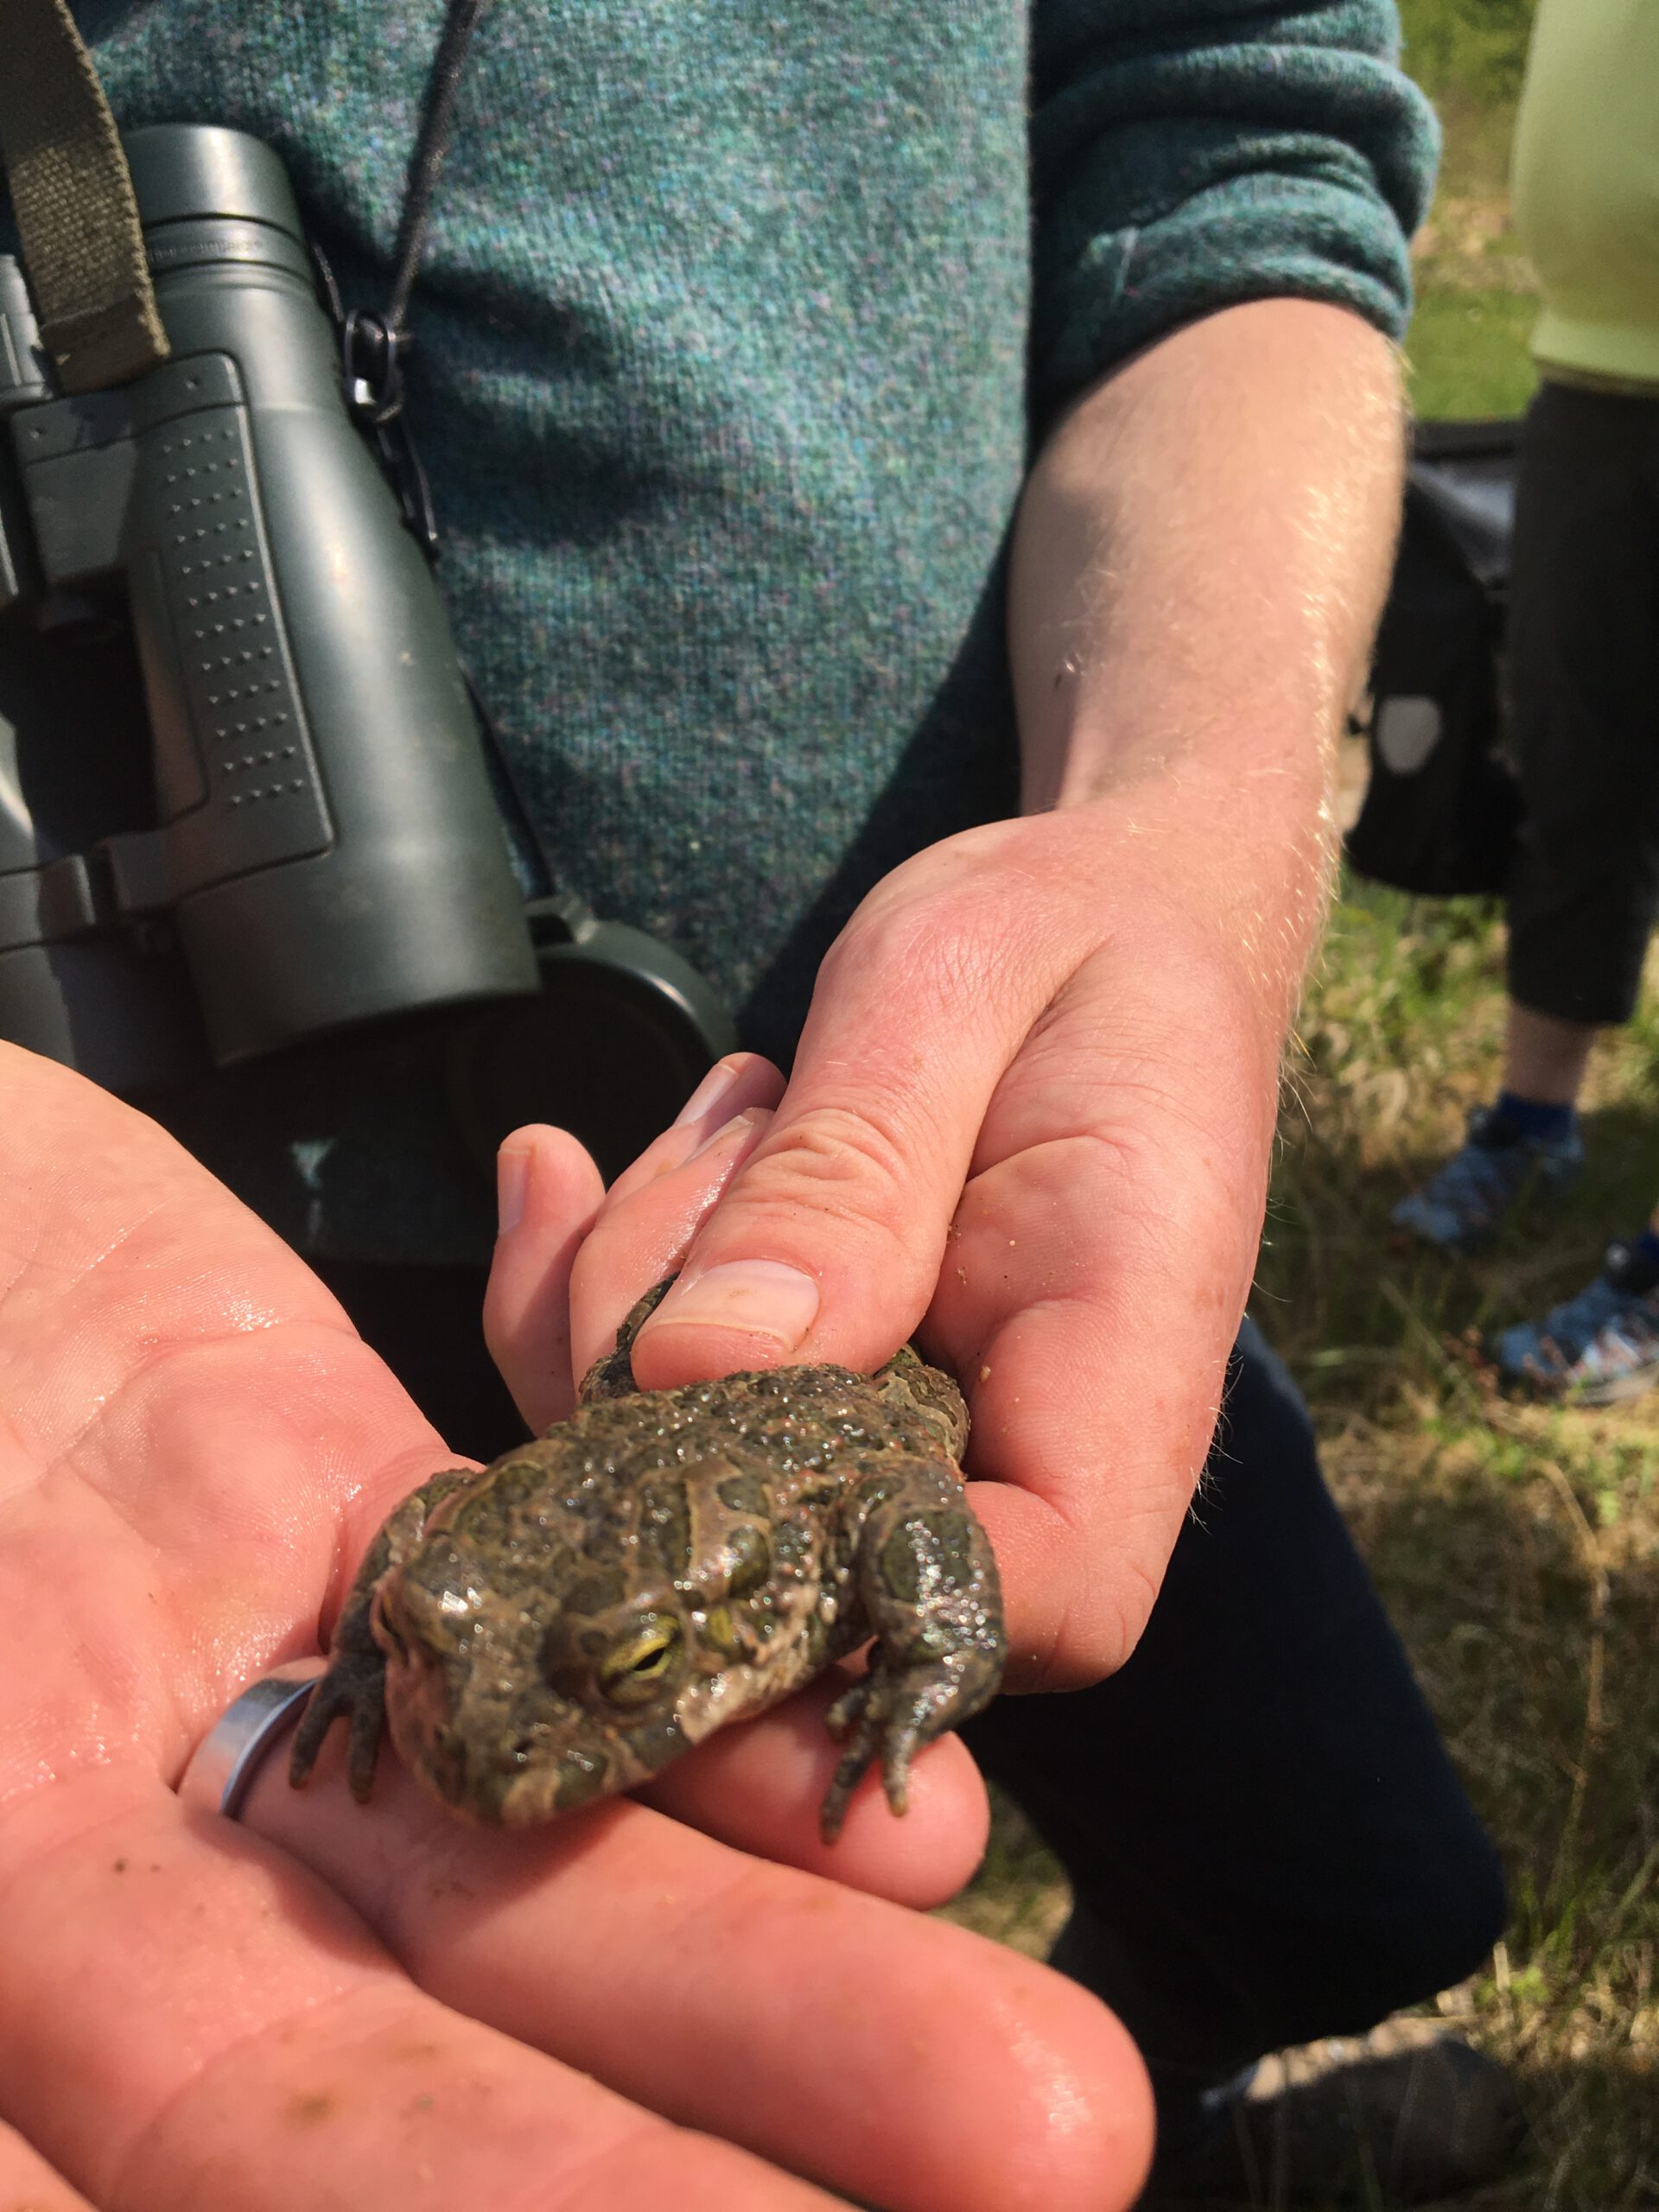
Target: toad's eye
[[635, 1670]]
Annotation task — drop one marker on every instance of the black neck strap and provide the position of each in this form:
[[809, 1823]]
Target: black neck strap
[[373, 345], [460, 21]]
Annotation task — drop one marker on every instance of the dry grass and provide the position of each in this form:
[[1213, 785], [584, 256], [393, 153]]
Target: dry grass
[[1517, 1545]]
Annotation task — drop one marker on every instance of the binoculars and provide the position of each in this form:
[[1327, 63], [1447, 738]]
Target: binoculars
[[244, 803], [242, 798]]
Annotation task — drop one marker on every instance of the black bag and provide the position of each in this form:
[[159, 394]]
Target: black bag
[[1442, 805]]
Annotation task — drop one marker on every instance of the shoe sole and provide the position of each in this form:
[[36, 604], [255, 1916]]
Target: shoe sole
[[1538, 1193], [1617, 1390]]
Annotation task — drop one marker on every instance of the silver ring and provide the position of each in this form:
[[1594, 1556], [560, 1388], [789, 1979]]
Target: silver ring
[[221, 1769]]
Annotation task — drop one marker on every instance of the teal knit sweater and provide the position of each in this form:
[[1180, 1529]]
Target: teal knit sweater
[[737, 324]]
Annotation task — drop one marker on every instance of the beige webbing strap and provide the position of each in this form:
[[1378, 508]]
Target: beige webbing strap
[[72, 197]]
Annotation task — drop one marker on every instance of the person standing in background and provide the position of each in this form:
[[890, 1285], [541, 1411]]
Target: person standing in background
[[1584, 675]]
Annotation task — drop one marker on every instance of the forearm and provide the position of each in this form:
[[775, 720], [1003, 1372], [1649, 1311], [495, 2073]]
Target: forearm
[[1199, 559]]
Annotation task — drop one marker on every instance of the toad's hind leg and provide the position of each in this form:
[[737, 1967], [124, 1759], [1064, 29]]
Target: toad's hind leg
[[927, 1580], [911, 1388], [354, 1687], [612, 1376]]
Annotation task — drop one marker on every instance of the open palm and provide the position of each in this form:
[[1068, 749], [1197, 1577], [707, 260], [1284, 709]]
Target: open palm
[[322, 2005]]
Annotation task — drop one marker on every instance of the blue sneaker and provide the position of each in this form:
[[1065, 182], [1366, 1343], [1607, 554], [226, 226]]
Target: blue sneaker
[[1596, 1349], [1465, 1205]]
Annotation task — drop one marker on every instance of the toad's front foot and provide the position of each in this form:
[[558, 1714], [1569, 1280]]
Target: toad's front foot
[[894, 1713], [353, 1688]]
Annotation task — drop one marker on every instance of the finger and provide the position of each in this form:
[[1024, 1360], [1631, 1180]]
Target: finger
[[827, 1246], [643, 1234], [1103, 1256], [28, 2184], [760, 1786], [730, 1088], [548, 1193], [894, 2058], [191, 2023]]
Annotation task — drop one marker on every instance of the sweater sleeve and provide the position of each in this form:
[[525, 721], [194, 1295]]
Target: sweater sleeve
[[1187, 154]]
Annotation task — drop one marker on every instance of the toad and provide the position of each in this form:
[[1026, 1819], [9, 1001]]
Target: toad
[[557, 1627]]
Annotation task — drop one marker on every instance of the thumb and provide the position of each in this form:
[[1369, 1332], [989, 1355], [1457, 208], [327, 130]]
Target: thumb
[[829, 1242]]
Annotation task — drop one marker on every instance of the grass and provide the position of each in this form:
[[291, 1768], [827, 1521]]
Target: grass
[[1517, 1546], [1468, 353], [1466, 350]]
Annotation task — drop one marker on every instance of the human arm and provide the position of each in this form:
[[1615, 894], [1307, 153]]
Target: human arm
[[1033, 1105]]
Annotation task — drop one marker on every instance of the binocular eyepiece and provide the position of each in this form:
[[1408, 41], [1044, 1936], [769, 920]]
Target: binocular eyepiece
[[244, 801]]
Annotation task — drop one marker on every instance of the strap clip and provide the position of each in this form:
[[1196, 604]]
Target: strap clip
[[371, 360]]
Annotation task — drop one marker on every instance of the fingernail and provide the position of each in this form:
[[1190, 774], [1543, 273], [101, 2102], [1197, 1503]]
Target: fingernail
[[762, 1298], [511, 1189], [708, 1094], [746, 1120]]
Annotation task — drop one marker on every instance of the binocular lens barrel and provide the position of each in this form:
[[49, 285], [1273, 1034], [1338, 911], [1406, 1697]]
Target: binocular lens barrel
[[321, 835]]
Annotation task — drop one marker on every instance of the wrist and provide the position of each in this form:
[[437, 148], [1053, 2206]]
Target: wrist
[[1230, 869]]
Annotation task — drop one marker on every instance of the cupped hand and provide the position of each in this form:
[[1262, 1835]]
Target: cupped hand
[[1030, 1119], [321, 2004]]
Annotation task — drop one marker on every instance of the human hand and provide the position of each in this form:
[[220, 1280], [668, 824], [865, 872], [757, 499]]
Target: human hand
[[1032, 1107], [1030, 1117], [324, 2005]]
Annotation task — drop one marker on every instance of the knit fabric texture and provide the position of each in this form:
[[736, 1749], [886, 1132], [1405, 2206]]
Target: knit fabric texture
[[736, 327]]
